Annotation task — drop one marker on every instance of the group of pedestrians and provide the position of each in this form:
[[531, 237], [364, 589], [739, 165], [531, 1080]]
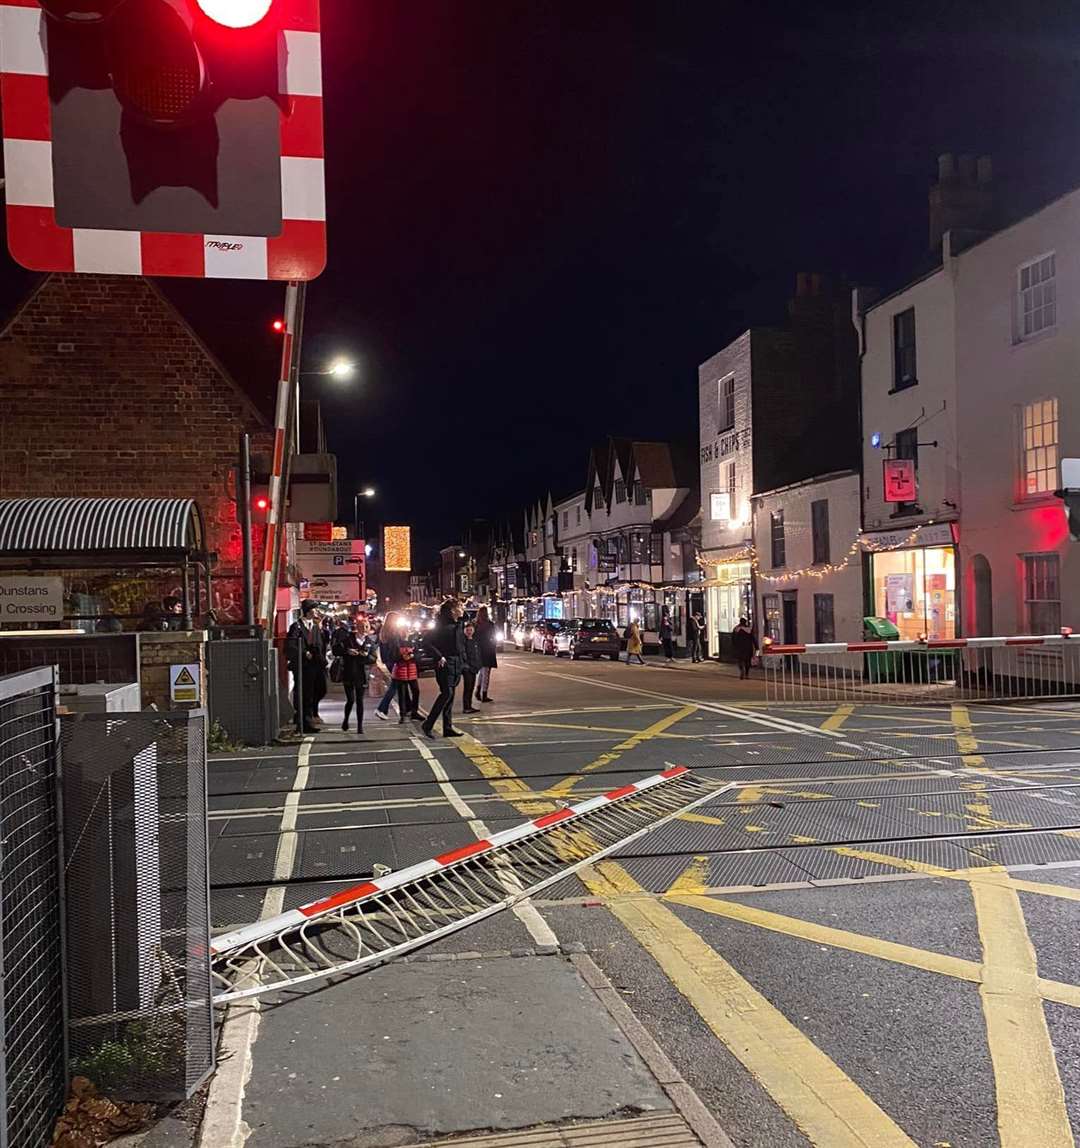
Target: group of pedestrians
[[743, 641], [465, 654]]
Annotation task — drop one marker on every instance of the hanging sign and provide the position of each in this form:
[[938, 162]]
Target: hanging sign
[[899, 479]]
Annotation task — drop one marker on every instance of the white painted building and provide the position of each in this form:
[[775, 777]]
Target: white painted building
[[971, 373], [809, 576]]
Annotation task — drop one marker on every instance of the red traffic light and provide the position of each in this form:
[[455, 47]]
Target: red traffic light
[[278, 325], [262, 503], [157, 68], [236, 13]]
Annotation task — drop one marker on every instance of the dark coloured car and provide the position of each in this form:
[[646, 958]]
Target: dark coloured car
[[543, 635], [588, 638]]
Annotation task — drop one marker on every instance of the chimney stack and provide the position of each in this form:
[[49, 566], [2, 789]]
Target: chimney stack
[[962, 199]]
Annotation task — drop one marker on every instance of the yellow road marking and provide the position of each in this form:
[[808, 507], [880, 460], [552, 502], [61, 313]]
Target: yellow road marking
[[700, 818], [825, 1103], [658, 727], [749, 794], [924, 959], [1030, 1099], [839, 717], [693, 879], [621, 732], [504, 781]]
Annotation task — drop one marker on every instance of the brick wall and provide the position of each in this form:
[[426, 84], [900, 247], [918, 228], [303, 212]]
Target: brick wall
[[106, 391]]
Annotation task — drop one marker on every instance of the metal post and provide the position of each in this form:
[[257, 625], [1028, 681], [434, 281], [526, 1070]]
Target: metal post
[[245, 528], [187, 595]]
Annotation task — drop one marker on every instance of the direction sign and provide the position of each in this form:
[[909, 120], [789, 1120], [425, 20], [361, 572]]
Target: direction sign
[[164, 137]]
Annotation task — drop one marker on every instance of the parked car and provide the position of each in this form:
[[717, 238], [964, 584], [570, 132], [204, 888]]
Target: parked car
[[588, 638], [543, 635], [523, 635]]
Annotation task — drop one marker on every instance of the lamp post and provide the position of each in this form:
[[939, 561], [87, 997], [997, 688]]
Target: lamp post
[[338, 369], [358, 522]]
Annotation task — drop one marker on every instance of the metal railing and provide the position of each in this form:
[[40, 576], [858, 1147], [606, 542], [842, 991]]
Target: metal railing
[[32, 1047], [141, 1021], [1026, 667], [362, 926]]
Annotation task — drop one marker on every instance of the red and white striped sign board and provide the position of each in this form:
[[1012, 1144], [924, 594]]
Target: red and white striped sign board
[[39, 243]]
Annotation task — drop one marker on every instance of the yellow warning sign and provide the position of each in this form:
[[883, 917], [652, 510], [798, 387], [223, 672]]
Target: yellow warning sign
[[184, 683]]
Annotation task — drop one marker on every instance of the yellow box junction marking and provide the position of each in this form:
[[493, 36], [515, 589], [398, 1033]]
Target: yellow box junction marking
[[822, 1100], [613, 754], [839, 717]]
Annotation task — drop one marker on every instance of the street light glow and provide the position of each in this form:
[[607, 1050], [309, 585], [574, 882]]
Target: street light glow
[[340, 369], [368, 492]]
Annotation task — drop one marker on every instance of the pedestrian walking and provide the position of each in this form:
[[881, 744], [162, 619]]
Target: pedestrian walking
[[405, 677], [693, 637], [389, 645], [471, 667], [702, 635], [667, 636], [744, 643], [447, 641], [306, 657], [487, 637], [633, 643], [353, 650]]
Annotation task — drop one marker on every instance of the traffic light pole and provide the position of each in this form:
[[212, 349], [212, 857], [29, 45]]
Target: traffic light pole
[[284, 446]]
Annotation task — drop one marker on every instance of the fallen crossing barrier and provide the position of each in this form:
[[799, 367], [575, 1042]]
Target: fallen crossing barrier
[[368, 924]]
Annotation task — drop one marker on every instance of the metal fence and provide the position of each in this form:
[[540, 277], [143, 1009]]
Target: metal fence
[[141, 1023], [906, 673], [32, 1068]]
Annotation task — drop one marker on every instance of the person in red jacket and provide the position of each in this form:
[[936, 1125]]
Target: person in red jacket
[[406, 674]]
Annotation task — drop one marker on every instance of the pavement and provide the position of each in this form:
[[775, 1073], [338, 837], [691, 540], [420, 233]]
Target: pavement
[[870, 940]]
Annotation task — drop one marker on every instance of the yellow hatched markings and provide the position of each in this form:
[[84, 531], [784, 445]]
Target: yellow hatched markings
[[613, 754], [504, 781], [841, 714], [822, 1100], [693, 879], [620, 731]]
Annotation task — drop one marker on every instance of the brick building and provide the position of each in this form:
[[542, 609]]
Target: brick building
[[106, 390]]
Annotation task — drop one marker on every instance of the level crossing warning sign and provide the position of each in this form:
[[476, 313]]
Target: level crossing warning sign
[[184, 683]]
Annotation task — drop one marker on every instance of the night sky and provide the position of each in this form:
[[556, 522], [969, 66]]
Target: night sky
[[544, 215]]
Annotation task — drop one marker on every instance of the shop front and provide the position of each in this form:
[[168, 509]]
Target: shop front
[[913, 580], [729, 597]]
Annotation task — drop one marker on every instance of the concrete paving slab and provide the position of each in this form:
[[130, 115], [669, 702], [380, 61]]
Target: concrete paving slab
[[438, 1048]]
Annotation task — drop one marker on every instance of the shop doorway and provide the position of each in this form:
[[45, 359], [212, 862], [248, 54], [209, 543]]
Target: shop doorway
[[791, 616], [984, 597]]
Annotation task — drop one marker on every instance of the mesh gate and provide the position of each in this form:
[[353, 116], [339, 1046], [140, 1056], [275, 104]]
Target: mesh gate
[[363, 926], [141, 1022], [32, 1079]]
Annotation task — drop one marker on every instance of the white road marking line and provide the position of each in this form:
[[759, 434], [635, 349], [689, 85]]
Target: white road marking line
[[784, 725], [223, 1124], [540, 931]]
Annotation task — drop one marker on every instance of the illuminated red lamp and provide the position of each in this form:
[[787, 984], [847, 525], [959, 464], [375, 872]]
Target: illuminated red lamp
[[262, 503], [236, 13], [277, 326]]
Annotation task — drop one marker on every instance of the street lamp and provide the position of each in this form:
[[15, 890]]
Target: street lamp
[[338, 369], [358, 522]]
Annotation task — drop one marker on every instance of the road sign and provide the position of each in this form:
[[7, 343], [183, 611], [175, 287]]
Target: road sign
[[28, 599], [164, 137], [898, 476], [184, 682], [318, 532]]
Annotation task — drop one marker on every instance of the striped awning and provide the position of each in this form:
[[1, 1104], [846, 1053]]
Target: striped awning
[[74, 526]]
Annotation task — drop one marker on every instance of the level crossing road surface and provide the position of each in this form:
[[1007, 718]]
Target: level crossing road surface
[[871, 940]]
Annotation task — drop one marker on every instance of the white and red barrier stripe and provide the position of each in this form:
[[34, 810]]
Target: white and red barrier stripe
[[276, 494], [926, 644], [262, 930], [39, 243]]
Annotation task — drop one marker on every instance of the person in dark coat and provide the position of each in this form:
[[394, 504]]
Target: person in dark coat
[[356, 649], [744, 643], [693, 637], [488, 639], [448, 643], [306, 656], [471, 667], [389, 644], [667, 636]]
